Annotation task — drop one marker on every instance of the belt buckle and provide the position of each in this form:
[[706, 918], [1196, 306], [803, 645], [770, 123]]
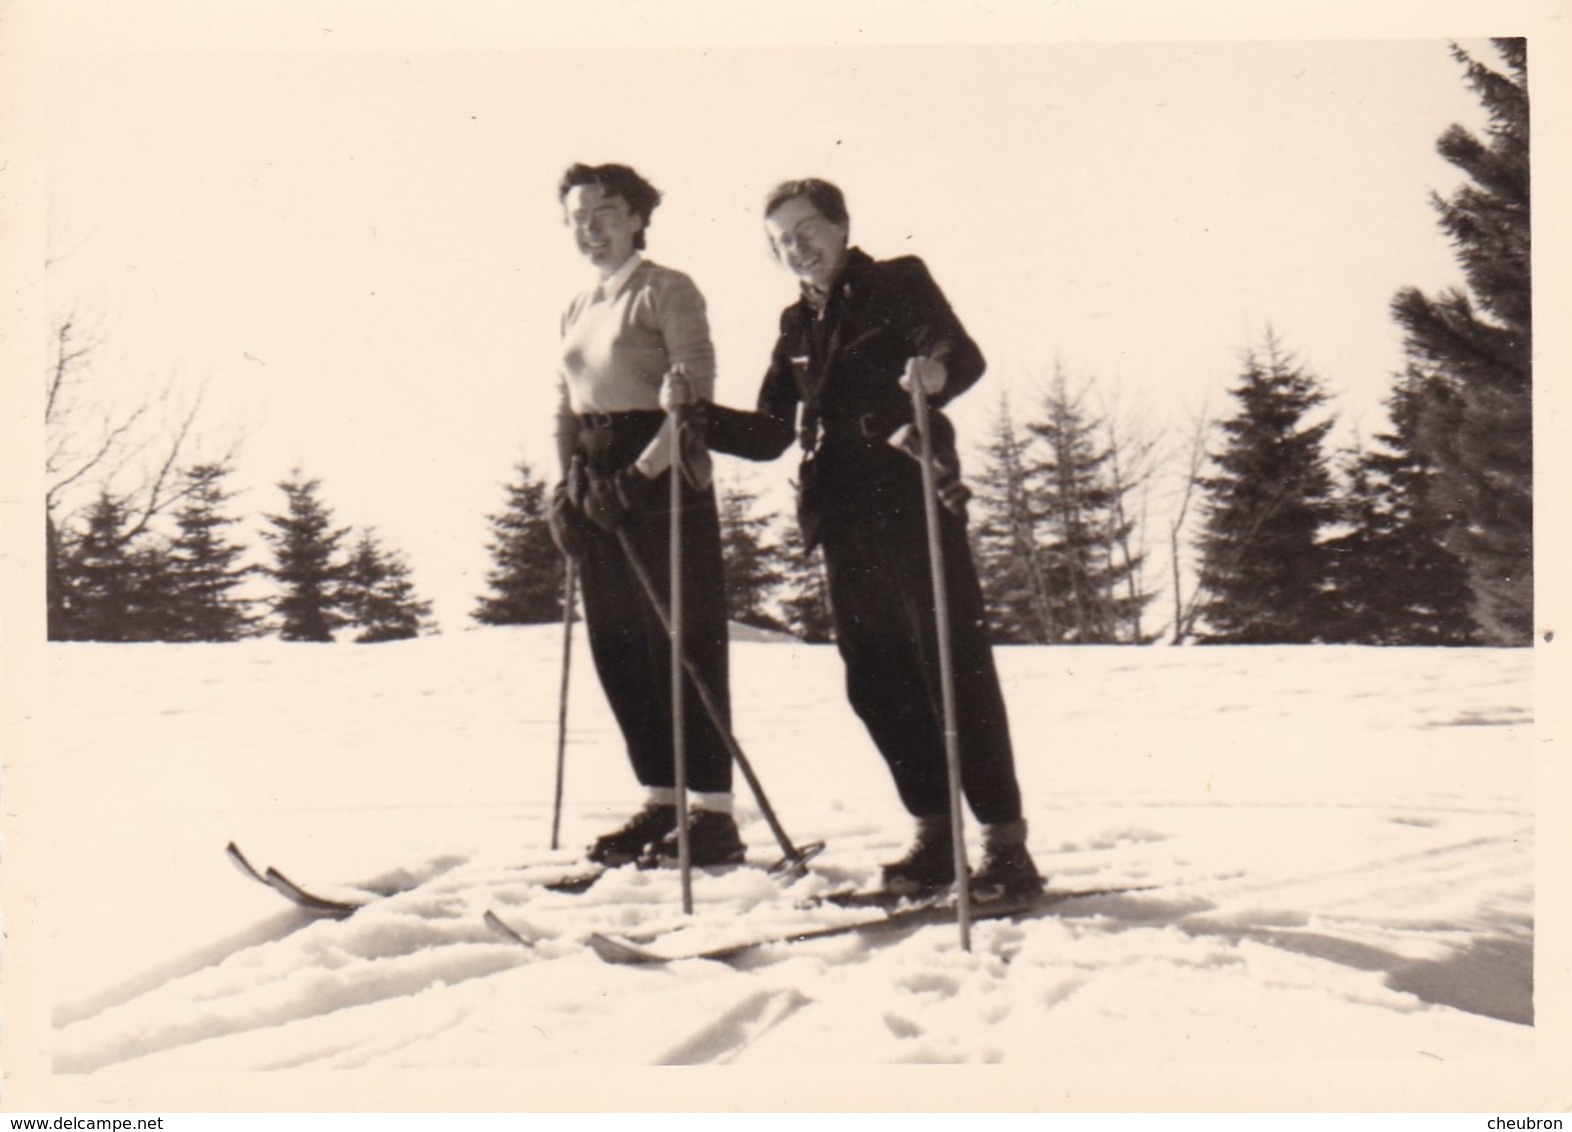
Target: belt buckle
[[865, 425]]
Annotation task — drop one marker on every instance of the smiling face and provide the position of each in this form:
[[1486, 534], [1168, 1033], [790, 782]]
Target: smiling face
[[812, 246], [603, 226]]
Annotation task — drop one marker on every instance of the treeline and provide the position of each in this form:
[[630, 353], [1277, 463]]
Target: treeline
[[1292, 543], [770, 584], [1421, 536], [1427, 537], [116, 575]]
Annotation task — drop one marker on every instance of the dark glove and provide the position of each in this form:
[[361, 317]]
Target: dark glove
[[565, 520], [696, 421], [697, 467], [610, 497]]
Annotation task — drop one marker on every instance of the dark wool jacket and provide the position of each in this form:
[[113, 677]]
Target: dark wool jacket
[[843, 370]]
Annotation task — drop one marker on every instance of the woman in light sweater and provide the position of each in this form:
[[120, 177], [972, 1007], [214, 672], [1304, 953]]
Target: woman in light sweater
[[620, 336]]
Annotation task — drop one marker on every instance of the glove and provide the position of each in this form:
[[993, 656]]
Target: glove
[[565, 520], [697, 467], [610, 497], [677, 396]]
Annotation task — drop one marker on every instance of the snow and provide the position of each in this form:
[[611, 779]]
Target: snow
[[1334, 851]]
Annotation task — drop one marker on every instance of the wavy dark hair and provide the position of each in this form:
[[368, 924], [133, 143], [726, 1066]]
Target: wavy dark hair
[[824, 196], [615, 181]]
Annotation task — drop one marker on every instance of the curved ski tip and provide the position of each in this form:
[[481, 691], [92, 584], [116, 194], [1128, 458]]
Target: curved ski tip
[[616, 949], [310, 901], [241, 862], [497, 924]]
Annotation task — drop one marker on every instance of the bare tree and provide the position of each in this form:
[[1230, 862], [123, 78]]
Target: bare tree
[[90, 440], [95, 446], [1132, 464], [1195, 460]]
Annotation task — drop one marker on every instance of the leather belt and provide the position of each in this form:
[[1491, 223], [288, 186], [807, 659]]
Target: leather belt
[[866, 426], [617, 420]]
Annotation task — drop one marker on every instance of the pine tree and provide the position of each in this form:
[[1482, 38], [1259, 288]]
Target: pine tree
[[202, 563], [378, 596], [119, 583], [1473, 352], [1080, 516], [1395, 578], [152, 613], [806, 606], [1005, 538], [102, 577], [753, 569], [1266, 576], [1359, 614], [59, 601], [306, 564], [527, 577]]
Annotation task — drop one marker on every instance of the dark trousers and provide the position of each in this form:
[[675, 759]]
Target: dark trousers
[[630, 645], [881, 595]]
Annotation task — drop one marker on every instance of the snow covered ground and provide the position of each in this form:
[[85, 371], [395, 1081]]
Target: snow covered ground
[[1341, 843]]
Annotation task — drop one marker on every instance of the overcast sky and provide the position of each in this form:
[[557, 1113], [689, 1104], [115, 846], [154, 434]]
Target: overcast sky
[[361, 255]]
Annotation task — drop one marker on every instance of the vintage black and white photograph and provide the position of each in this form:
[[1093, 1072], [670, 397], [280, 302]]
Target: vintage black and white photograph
[[792, 539]]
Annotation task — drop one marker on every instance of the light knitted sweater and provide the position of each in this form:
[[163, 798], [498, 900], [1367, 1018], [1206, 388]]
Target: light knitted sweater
[[617, 347]]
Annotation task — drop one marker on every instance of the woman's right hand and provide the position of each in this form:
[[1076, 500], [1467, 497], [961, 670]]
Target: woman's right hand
[[676, 391]]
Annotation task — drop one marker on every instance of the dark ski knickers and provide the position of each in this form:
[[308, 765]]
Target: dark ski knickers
[[628, 642], [881, 595]]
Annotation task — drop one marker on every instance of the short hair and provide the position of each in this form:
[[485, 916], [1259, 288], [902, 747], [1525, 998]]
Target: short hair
[[615, 181], [827, 198]]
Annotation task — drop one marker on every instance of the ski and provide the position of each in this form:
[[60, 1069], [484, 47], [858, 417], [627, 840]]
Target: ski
[[273, 879], [573, 883], [310, 901], [238, 859], [497, 924], [898, 916]]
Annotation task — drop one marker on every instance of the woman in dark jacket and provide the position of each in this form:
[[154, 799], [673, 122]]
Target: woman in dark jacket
[[839, 383]]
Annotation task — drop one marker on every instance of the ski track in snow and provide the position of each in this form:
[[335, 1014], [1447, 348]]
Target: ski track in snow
[[1342, 854]]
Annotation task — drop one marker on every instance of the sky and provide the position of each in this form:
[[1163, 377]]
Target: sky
[[358, 258]]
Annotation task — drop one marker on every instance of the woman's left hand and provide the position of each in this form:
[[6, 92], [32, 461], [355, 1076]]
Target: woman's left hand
[[676, 391], [610, 497]]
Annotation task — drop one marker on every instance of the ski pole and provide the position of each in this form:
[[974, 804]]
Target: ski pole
[[674, 629], [569, 587], [795, 858], [941, 610]]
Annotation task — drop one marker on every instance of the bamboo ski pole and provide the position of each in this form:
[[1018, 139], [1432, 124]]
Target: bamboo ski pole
[[569, 596], [679, 752], [795, 857], [941, 609]]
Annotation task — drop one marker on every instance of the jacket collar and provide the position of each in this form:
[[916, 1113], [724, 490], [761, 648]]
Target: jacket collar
[[856, 261]]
